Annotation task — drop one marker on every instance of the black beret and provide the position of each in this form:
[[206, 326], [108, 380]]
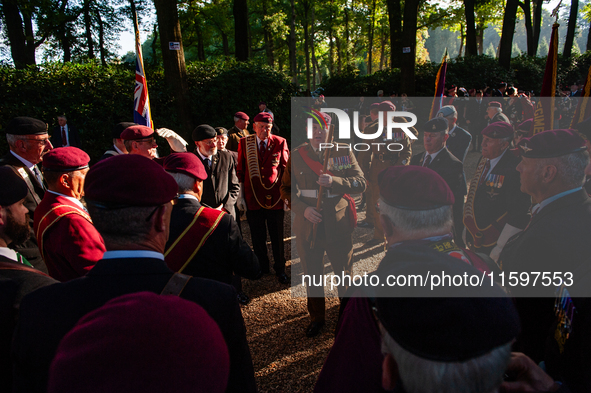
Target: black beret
[[119, 128], [552, 143], [13, 187], [438, 124], [25, 126], [204, 131], [446, 324], [221, 131]]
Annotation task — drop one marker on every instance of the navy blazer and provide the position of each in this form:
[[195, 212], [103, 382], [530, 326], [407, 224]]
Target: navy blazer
[[73, 137], [458, 143]]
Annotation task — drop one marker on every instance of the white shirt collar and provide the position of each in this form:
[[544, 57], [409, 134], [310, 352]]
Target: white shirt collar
[[452, 130], [132, 254], [202, 156], [117, 150], [495, 161], [8, 253], [71, 199], [266, 141], [433, 155], [27, 163], [188, 196], [547, 201]]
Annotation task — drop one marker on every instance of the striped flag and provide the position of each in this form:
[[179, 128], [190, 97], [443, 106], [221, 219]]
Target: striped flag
[[584, 103], [141, 102], [544, 113], [439, 87]]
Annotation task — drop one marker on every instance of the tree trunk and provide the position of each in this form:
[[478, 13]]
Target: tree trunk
[[346, 33], [462, 38], [306, 6], [383, 39], [506, 43], [372, 22], [409, 40], [589, 39], [293, 64], [471, 45], [315, 68], [339, 59], [240, 11], [174, 60], [153, 46], [537, 23], [529, 32], [570, 31], [225, 45], [22, 53], [330, 40], [88, 29], [268, 38], [103, 50], [200, 44], [394, 16], [480, 39]]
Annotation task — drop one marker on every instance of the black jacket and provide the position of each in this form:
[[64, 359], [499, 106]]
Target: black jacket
[[49, 313], [73, 137], [221, 186], [458, 143]]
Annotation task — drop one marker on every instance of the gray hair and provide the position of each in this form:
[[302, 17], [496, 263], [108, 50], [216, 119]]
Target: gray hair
[[185, 182], [477, 375], [128, 144], [11, 139], [497, 109], [236, 119], [412, 221], [570, 168], [121, 226], [62, 117]]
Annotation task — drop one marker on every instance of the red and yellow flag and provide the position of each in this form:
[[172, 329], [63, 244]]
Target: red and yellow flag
[[544, 113], [439, 87], [584, 104]]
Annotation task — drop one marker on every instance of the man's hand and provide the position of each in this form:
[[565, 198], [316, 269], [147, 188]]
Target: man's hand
[[325, 180], [177, 144], [312, 215], [526, 376]]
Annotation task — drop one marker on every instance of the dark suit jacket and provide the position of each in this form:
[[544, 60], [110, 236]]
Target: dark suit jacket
[[476, 113], [458, 143], [452, 171], [73, 137], [29, 249], [554, 241], [49, 313], [221, 186], [224, 251]]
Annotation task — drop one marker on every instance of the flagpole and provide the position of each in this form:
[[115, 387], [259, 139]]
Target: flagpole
[[439, 86]]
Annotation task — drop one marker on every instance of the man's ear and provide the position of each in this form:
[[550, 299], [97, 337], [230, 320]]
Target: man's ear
[[549, 173], [390, 375], [162, 217], [64, 180], [198, 189]]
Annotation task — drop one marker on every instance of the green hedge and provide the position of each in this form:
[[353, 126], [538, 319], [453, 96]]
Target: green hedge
[[95, 98]]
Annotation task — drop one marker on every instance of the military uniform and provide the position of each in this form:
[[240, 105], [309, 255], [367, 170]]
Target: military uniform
[[234, 136], [299, 185], [379, 158]]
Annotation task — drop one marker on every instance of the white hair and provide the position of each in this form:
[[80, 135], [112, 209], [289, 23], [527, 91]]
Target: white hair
[[412, 221], [185, 182]]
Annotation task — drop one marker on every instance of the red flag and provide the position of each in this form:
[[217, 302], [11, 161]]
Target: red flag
[[439, 87], [584, 103], [544, 114]]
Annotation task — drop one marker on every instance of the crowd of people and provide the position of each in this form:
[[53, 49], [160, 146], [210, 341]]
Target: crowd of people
[[127, 275]]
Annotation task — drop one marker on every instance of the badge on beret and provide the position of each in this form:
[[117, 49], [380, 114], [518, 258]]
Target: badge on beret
[[434, 128], [525, 148]]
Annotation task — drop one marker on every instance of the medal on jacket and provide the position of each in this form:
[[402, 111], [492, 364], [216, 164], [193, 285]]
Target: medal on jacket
[[564, 310]]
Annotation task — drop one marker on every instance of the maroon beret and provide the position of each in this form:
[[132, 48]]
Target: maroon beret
[[525, 126], [128, 180], [552, 143], [495, 104], [142, 342], [498, 130], [414, 188], [241, 115], [25, 126], [13, 189], [120, 127], [186, 163], [136, 132], [263, 117], [65, 159]]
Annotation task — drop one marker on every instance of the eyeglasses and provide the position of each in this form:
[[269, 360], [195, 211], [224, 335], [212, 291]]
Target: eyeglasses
[[150, 141], [41, 142]]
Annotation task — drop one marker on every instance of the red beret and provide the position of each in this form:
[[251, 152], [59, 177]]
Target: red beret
[[552, 143], [13, 187], [495, 104], [186, 163], [525, 126], [384, 106], [414, 188], [263, 117], [142, 342], [136, 132], [65, 159], [128, 180], [498, 130], [241, 115]]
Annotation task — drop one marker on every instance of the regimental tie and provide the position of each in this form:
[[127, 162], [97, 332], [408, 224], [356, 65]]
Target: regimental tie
[[38, 176], [484, 172], [64, 137], [22, 260], [427, 160], [262, 149]]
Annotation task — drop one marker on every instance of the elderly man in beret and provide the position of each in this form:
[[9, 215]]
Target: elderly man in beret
[[221, 187], [17, 277], [415, 208], [438, 157], [377, 159], [552, 171], [335, 221], [204, 242], [69, 243], [118, 143], [494, 113], [459, 140], [222, 138], [261, 161], [142, 140], [495, 208], [133, 216], [142, 326], [238, 131], [28, 142]]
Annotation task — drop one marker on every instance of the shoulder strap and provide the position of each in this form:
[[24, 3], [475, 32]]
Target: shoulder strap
[[17, 266], [254, 172], [176, 284], [25, 176], [186, 246]]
